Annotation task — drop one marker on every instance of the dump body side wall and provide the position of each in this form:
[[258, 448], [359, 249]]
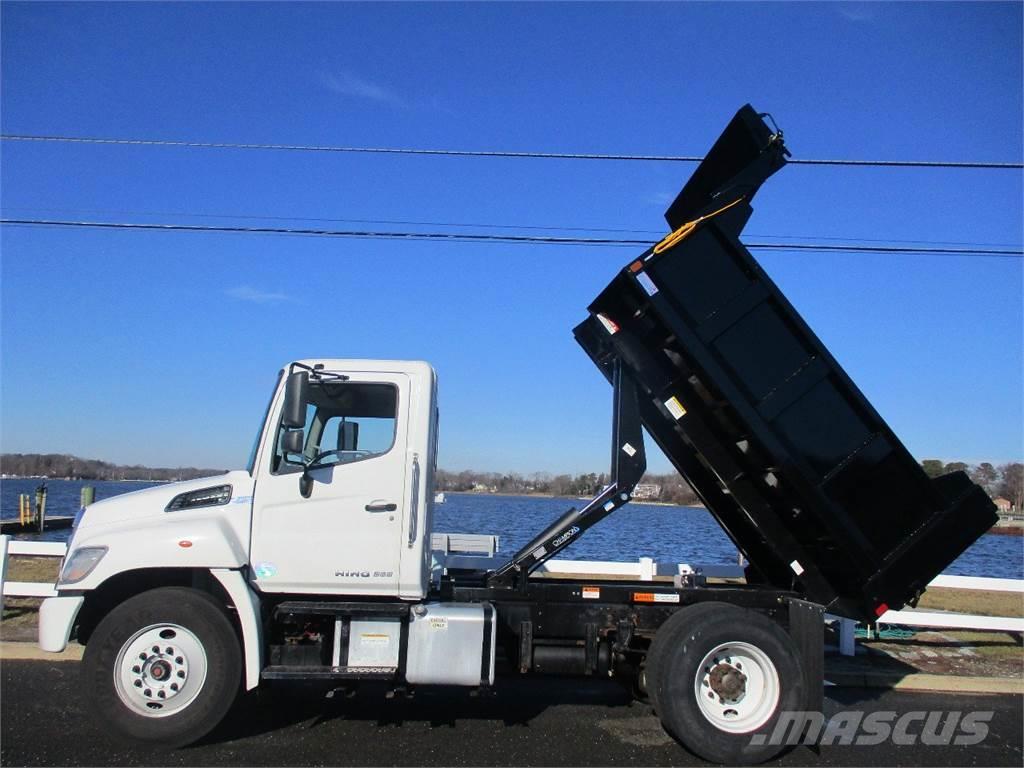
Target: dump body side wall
[[802, 472]]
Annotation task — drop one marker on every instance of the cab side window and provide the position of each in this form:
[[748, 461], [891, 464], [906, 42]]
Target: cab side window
[[346, 422]]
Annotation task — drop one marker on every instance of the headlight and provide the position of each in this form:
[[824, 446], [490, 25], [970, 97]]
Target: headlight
[[81, 563], [204, 497]]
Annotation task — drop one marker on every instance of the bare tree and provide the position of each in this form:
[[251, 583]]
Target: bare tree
[[986, 476], [1011, 485]]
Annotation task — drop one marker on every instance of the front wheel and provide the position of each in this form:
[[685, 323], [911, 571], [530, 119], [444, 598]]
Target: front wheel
[[164, 666]]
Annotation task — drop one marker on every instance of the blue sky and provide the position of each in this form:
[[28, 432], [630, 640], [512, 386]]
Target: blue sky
[[161, 348]]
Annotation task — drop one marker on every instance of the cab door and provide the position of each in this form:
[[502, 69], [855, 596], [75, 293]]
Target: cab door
[[345, 537]]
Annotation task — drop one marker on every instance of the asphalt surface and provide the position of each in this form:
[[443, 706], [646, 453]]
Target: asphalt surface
[[524, 722]]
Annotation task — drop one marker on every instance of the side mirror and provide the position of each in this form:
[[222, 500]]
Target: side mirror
[[295, 397], [292, 441], [306, 479]]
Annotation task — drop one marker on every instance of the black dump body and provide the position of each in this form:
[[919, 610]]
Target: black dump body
[[744, 399]]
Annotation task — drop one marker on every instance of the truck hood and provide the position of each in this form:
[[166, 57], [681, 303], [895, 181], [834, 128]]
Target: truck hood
[[151, 502]]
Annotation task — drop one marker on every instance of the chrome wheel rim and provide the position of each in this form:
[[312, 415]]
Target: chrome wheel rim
[[737, 687], [160, 670]]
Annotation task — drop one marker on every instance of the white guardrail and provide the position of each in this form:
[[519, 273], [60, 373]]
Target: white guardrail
[[9, 546], [476, 551]]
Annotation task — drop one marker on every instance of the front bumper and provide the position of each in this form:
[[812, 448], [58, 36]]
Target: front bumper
[[56, 619]]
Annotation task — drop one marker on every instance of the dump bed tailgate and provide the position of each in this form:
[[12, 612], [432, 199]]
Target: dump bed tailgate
[[752, 409]]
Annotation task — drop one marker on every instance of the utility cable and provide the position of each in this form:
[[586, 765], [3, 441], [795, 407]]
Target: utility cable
[[490, 152], [494, 238], [403, 222], [655, 233]]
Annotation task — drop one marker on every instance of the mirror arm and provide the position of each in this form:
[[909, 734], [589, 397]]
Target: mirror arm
[[306, 480]]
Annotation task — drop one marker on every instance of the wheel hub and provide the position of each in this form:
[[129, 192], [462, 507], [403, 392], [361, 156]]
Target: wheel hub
[[161, 673], [736, 687], [728, 683], [160, 670]]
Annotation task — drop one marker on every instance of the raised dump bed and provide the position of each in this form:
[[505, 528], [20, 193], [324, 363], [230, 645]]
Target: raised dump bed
[[752, 409]]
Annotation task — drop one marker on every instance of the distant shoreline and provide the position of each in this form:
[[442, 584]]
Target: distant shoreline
[[695, 505], [88, 479]]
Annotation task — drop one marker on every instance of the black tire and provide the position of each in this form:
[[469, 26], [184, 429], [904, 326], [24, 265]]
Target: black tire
[[663, 643], [205, 698], [689, 636]]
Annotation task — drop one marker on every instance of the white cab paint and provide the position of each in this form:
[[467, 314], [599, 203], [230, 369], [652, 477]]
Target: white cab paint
[[56, 618], [330, 543], [139, 533], [247, 608]]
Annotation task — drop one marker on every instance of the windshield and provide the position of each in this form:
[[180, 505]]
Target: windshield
[[250, 465]]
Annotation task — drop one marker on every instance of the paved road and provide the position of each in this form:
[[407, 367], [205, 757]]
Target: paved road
[[525, 722]]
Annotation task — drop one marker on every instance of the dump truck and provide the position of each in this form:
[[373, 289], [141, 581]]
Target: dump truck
[[314, 563]]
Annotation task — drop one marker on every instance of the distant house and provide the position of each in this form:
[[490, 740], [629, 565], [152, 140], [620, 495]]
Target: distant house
[[1003, 506], [647, 491]]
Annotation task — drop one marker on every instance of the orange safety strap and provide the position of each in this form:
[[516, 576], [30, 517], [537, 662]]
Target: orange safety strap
[[684, 231]]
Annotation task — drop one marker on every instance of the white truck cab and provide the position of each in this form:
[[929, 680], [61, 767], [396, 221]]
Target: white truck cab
[[337, 499], [349, 512], [360, 526]]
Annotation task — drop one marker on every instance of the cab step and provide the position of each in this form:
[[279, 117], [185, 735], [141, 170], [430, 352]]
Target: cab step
[[284, 672]]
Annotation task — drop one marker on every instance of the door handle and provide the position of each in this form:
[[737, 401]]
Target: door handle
[[414, 508], [381, 506]]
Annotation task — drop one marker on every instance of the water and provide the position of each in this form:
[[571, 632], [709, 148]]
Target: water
[[669, 534], [62, 497], [666, 533]]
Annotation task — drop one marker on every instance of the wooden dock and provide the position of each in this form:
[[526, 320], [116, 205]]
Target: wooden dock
[[50, 523]]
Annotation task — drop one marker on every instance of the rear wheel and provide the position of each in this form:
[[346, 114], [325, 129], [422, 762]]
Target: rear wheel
[[664, 641], [724, 675], [164, 666]]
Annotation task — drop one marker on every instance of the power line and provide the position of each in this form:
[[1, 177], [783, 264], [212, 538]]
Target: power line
[[883, 249], [488, 152], [465, 237], [404, 222], [654, 233], [358, 234]]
